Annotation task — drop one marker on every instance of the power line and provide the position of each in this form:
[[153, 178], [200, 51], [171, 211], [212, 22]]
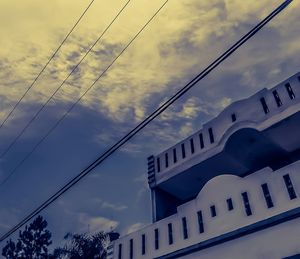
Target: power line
[[79, 99], [63, 82], [46, 65], [151, 117], [63, 189]]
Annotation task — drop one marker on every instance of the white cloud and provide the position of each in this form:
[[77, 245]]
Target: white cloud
[[108, 205], [224, 102], [134, 227], [95, 224], [179, 43], [190, 109], [188, 33], [186, 129]]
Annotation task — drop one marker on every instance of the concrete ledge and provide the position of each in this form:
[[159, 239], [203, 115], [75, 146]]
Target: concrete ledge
[[264, 224]]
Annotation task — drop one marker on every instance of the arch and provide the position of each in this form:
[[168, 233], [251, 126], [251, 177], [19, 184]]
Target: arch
[[220, 182], [235, 128], [254, 149]]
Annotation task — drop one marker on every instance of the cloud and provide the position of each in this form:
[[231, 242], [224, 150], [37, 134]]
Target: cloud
[[224, 102], [108, 137], [189, 109], [95, 224], [134, 227], [108, 205], [176, 46], [186, 129], [152, 67]]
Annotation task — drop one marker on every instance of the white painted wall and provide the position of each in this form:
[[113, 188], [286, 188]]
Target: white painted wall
[[278, 242], [215, 192], [249, 113]]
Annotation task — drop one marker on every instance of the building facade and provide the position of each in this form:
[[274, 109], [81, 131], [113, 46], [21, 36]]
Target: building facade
[[232, 189]]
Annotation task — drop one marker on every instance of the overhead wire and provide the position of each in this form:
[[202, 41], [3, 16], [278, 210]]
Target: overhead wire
[[63, 82], [46, 65], [79, 99], [149, 118], [63, 189]]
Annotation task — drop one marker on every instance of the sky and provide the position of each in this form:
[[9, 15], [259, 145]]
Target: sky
[[182, 40]]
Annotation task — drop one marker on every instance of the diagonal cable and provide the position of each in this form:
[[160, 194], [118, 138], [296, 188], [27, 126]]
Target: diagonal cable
[[46, 65], [148, 119], [79, 99], [61, 85]]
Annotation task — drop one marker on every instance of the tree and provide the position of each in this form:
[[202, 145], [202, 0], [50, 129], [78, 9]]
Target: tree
[[32, 243], [10, 250], [84, 246]]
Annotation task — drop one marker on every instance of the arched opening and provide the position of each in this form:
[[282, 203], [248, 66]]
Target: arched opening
[[255, 150]]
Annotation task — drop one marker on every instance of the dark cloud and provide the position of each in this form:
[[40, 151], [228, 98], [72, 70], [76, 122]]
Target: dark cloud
[[93, 126]]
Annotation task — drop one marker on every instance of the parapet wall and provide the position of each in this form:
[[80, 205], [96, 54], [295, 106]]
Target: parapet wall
[[259, 111], [227, 203]]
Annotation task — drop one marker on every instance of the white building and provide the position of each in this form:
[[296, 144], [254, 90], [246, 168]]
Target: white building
[[231, 190]]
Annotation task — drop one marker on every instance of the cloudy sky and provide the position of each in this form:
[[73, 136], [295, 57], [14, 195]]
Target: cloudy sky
[[183, 39]]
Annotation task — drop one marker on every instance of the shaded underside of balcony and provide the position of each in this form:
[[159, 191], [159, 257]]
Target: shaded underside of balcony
[[245, 151]]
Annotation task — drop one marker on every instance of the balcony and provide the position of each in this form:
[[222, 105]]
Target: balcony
[[248, 135], [227, 208]]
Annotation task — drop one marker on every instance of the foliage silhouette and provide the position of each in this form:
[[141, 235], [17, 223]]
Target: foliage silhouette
[[32, 243], [84, 246]]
